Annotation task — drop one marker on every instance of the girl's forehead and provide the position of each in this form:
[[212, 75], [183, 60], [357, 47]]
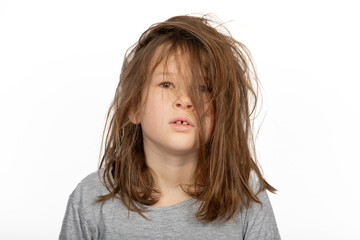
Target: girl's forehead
[[171, 63], [173, 67], [176, 63]]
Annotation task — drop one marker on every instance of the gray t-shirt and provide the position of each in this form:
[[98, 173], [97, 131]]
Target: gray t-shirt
[[85, 219]]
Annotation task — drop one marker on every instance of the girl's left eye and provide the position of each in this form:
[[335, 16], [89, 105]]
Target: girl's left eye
[[204, 88], [166, 85]]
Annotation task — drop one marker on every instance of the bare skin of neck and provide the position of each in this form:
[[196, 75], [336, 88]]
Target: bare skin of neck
[[171, 171]]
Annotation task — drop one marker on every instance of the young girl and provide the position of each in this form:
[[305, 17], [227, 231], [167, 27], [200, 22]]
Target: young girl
[[177, 162]]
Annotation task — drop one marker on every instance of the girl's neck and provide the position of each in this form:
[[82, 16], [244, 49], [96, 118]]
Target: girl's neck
[[171, 170]]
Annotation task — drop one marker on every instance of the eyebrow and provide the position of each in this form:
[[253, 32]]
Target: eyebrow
[[172, 73], [165, 73]]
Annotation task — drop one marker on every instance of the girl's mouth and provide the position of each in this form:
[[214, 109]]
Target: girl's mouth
[[181, 126], [181, 122]]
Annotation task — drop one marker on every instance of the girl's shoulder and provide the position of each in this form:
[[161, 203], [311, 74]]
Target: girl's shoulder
[[254, 181], [88, 189]]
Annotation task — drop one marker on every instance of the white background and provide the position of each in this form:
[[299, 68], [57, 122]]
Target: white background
[[59, 67]]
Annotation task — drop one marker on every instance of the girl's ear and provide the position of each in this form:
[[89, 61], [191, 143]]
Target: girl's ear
[[133, 117]]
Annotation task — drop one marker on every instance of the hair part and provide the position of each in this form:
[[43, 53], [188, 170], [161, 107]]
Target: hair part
[[225, 162]]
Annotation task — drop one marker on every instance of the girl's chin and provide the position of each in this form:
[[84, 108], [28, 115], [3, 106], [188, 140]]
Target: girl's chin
[[183, 150]]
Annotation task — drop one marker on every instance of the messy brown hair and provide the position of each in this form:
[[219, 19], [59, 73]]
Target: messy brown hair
[[226, 160]]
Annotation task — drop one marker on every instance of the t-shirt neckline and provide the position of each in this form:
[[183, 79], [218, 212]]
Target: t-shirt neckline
[[174, 206]]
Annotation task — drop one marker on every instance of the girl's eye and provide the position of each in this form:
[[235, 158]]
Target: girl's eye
[[204, 88], [166, 85]]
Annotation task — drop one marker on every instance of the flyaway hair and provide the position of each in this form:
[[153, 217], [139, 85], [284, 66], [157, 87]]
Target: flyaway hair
[[226, 161]]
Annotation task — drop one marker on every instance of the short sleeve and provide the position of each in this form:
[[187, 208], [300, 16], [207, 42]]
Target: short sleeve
[[74, 225], [260, 223]]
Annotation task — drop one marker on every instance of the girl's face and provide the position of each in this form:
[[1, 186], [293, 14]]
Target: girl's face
[[166, 100]]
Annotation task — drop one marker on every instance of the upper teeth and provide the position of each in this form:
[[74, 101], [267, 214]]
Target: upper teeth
[[182, 122]]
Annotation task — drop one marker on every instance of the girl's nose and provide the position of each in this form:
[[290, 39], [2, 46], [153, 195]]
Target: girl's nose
[[184, 102], [181, 105]]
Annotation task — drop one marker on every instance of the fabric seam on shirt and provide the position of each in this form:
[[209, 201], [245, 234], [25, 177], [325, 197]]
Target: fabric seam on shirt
[[81, 210]]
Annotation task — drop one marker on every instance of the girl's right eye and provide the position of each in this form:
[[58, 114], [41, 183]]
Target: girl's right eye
[[166, 85]]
